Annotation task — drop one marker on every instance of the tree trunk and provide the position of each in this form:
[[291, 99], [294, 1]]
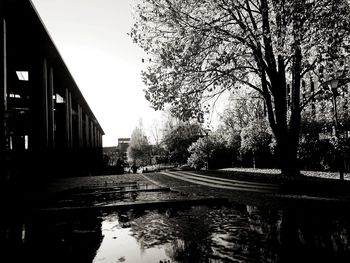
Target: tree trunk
[[285, 129], [287, 154], [289, 165], [286, 134], [254, 165]]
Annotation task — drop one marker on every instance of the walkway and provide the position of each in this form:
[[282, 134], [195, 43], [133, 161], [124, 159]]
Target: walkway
[[223, 183]]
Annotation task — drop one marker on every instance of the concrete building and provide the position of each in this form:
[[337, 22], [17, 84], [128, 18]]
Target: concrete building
[[123, 144], [46, 125]]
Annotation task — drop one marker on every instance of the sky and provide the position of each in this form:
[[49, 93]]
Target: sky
[[91, 36]]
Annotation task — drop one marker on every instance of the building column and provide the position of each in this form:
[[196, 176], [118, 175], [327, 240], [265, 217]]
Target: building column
[[98, 138], [80, 126], [92, 134], [95, 137], [70, 121], [3, 65], [45, 111], [87, 131], [68, 117], [4, 134], [51, 106]]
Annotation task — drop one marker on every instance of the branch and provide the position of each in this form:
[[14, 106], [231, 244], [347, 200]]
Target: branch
[[308, 68], [313, 96], [267, 39]]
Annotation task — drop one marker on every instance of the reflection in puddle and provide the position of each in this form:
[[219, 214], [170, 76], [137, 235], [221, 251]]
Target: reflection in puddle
[[108, 195], [119, 245], [224, 234], [236, 233]]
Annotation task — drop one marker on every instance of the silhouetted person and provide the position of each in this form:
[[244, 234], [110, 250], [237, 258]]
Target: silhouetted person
[[120, 166], [134, 168]]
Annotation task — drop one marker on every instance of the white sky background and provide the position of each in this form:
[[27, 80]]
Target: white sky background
[[91, 36]]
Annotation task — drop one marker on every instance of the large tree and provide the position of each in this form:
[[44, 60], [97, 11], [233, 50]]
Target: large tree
[[200, 48]]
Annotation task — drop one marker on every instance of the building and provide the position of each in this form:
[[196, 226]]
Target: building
[[123, 144], [46, 126]]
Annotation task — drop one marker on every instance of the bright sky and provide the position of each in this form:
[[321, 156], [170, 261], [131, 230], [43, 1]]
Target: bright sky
[[91, 36]]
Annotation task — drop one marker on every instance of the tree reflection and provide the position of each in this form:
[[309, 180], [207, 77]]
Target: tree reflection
[[243, 233], [11, 237], [308, 235], [185, 233], [203, 234], [51, 239], [194, 234]]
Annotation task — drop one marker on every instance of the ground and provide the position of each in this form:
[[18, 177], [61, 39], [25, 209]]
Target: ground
[[103, 192]]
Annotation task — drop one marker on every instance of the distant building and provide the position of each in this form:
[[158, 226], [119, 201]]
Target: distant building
[[123, 144]]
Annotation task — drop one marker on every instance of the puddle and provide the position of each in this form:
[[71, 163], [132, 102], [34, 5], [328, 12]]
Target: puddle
[[127, 192], [235, 233], [119, 245]]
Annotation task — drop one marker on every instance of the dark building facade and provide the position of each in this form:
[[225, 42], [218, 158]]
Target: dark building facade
[[46, 126], [123, 144]]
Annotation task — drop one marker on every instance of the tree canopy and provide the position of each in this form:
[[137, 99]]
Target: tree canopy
[[139, 149], [199, 49], [178, 138]]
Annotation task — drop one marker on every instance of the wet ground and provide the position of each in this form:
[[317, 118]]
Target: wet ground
[[154, 218], [229, 233]]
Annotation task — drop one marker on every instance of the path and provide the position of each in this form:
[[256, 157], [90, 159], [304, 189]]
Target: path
[[223, 183]]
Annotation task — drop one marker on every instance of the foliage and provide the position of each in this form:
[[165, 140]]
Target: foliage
[[178, 138], [244, 123], [139, 150], [199, 152], [316, 154], [199, 49], [106, 160], [211, 150], [243, 108], [318, 143], [255, 137]]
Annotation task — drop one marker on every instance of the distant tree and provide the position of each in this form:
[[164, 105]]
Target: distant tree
[[317, 154], [178, 138], [106, 160], [256, 138], [212, 151], [199, 49], [318, 144], [232, 141], [155, 131], [244, 109], [139, 148], [198, 154]]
